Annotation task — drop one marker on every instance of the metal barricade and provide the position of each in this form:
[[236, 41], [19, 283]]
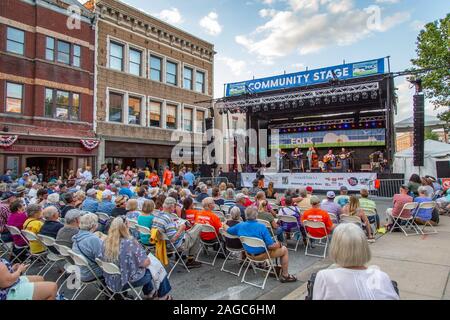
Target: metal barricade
[[213, 180], [387, 188]]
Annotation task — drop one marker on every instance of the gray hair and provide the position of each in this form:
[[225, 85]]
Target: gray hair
[[204, 188], [49, 212], [88, 221], [303, 193], [423, 190], [251, 213], [349, 247], [229, 194], [239, 197], [235, 213], [32, 209], [169, 202], [72, 215], [207, 201]]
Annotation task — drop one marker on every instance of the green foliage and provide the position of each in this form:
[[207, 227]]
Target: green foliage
[[430, 135], [433, 52]]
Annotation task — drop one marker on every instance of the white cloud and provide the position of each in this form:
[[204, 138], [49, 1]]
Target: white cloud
[[172, 16], [236, 67], [211, 24], [228, 70], [309, 26]]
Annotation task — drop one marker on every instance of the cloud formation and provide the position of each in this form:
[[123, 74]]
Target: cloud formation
[[172, 16], [210, 24]]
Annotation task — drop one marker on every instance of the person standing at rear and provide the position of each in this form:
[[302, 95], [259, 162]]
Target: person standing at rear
[[167, 177]]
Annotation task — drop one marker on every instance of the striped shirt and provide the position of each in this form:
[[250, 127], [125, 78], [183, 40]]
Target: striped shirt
[[367, 204], [164, 223]]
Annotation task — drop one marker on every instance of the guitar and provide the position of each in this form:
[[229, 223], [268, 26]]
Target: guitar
[[328, 157], [344, 156]]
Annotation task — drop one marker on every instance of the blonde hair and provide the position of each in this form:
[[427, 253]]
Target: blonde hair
[[88, 221], [349, 247], [148, 206], [222, 186], [260, 195], [132, 205], [117, 231], [262, 206], [80, 195], [353, 205]]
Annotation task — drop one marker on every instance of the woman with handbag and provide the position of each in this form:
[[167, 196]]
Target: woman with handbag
[[136, 267]]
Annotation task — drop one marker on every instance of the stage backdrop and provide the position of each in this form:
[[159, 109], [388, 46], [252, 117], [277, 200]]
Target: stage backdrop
[[330, 139], [319, 181]]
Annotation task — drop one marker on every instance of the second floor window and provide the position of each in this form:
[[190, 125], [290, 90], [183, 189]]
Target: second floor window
[[134, 110], [116, 56], [171, 118], [155, 68], [135, 62], [15, 41], [187, 119], [62, 105], [200, 82], [14, 97], [172, 73], [187, 78], [63, 54], [155, 114], [200, 125], [115, 107]]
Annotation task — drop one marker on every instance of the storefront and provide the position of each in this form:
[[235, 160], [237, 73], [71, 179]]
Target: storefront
[[52, 157]]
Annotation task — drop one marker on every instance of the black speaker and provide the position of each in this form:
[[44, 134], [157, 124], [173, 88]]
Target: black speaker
[[419, 130], [443, 169]]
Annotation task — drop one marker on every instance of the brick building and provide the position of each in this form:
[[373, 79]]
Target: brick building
[[46, 85], [151, 77]]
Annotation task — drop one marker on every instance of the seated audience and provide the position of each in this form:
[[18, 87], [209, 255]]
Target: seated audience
[[120, 209], [51, 225], [34, 224], [90, 204], [305, 203], [207, 216], [203, 193], [367, 204], [230, 198], [399, 201], [264, 214], [145, 219], [342, 199], [71, 228], [318, 215], [69, 204], [235, 214], [353, 209], [188, 212], [424, 215], [132, 209], [106, 206], [330, 206], [17, 219], [352, 279], [241, 200], [217, 197]]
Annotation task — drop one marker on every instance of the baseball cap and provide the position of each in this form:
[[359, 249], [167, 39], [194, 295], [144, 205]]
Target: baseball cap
[[343, 188], [91, 192], [331, 194], [314, 200], [106, 194], [309, 189]]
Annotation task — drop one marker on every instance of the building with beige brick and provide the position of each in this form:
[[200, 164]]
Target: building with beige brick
[[153, 84]]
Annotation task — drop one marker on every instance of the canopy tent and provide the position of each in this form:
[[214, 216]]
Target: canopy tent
[[434, 151], [407, 124]]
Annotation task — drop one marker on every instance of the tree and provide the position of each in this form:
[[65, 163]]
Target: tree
[[445, 116], [431, 135], [433, 53]]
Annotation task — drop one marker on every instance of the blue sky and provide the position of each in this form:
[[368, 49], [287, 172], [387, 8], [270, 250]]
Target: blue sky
[[258, 38]]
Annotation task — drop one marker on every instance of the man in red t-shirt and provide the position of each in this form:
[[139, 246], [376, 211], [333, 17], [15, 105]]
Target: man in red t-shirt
[[167, 177], [208, 217], [319, 215]]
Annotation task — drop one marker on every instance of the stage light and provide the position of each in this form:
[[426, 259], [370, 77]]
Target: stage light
[[374, 94], [281, 106], [334, 99], [349, 97], [295, 104], [374, 124], [312, 102], [272, 106], [342, 98], [317, 100], [356, 97], [367, 125], [327, 100], [301, 103], [365, 95], [380, 124]]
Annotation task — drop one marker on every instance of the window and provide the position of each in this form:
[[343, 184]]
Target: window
[[200, 118], [14, 97], [155, 114], [172, 73], [116, 56], [76, 62], [50, 49], [187, 119], [15, 40], [115, 107], [171, 116], [155, 68], [200, 82], [63, 52], [62, 105], [134, 110], [135, 62], [187, 78]]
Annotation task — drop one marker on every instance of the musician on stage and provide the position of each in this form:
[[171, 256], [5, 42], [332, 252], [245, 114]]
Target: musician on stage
[[344, 157], [330, 161], [309, 156], [296, 156], [280, 155]]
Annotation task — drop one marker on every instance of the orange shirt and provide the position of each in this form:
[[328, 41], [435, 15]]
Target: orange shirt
[[319, 215], [167, 177], [208, 217], [191, 215], [154, 179]]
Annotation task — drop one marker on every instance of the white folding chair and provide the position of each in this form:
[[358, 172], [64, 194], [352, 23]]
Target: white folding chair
[[351, 219], [142, 230], [225, 208], [333, 218], [81, 261], [318, 225], [293, 232], [217, 207], [252, 261], [68, 266], [204, 245], [409, 220], [113, 269], [103, 217], [132, 224], [231, 251], [41, 256], [21, 250], [427, 206], [52, 257], [268, 226], [171, 249], [5, 247], [371, 213]]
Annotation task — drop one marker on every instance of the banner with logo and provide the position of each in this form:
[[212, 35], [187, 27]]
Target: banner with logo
[[306, 78], [319, 181]]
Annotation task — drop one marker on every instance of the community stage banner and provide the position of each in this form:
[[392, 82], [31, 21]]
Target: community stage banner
[[354, 181], [307, 78]]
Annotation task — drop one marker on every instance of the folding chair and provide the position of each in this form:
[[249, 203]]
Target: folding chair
[[103, 217], [21, 250], [132, 224], [81, 261], [371, 213], [204, 245], [52, 257], [268, 226], [173, 250], [333, 218], [320, 226], [257, 243], [351, 219], [291, 219], [41, 256], [217, 207], [409, 221], [231, 251], [5, 247], [64, 252], [145, 231], [430, 206], [225, 208], [113, 269]]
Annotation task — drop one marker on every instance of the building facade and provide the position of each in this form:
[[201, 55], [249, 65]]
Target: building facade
[[151, 78], [46, 86]]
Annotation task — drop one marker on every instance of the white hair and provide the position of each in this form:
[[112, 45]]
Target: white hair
[[53, 198], [235, 213], [49, 212], [251, 213], [349, 247], [88, 221]]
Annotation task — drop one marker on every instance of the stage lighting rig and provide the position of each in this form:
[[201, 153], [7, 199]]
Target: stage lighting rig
[[374, 95]]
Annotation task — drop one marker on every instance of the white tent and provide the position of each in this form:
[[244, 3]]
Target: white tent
[[434, 151]]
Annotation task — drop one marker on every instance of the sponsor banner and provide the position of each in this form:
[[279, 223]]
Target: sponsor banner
[[327, 139], [354, 181], [306, 78]]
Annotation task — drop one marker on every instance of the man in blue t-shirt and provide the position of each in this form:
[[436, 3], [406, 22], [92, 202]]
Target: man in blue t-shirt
[[253, 228], [189, 177], [424, 215]]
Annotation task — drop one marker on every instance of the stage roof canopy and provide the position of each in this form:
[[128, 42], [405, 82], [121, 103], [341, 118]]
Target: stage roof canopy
[[407, 124]]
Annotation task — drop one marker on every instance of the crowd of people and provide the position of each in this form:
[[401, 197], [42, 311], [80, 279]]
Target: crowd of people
[[177, 206]]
